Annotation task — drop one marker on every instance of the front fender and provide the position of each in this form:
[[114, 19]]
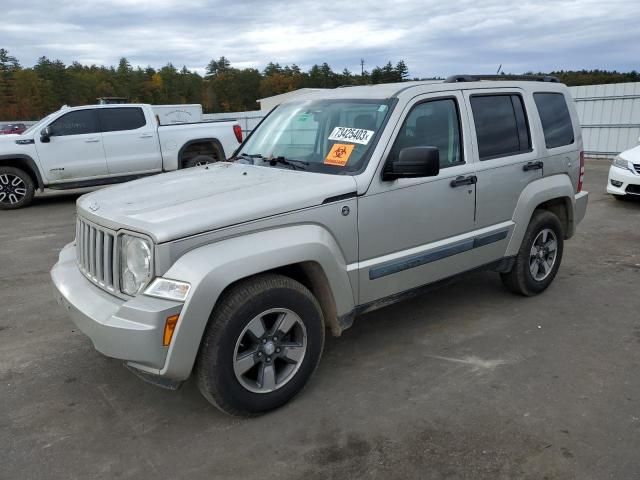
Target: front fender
[[212, 268], [537, 192]]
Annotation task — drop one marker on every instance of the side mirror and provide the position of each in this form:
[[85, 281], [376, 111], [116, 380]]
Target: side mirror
[[45, 135], [414, 162]]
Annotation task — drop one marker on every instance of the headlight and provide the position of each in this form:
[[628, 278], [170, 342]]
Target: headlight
[[622, 163], [135, 264], [168, 289]]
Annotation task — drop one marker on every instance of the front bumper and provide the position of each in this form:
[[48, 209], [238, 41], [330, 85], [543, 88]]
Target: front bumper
[[628, 181], [130, 330]]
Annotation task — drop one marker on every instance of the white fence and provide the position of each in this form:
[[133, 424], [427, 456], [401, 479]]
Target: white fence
[[609, 116]]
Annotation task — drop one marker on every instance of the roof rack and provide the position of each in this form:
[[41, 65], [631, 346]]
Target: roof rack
[[476, 78]]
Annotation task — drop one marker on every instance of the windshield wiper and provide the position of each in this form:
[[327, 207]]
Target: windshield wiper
[[248, 156], [295, 164]]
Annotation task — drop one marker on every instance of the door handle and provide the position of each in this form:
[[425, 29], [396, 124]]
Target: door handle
[[460, 181], [92, 140], [146, 135], [533, 166]]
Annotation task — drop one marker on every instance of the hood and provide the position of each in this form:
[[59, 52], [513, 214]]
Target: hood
[[186, 202], [633, 155]]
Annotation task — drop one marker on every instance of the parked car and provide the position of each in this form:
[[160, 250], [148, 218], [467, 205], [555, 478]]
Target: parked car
[[12, 128], [339, 203], [104, 144], [624, 175]]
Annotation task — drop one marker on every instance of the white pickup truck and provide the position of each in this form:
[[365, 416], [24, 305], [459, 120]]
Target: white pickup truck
[[103, 144]]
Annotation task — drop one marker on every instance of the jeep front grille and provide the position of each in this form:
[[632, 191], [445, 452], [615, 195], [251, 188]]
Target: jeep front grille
[[96, 254]]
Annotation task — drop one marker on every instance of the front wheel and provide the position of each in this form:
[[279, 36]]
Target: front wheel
[[539, 257], [262, 344], [16, 188]]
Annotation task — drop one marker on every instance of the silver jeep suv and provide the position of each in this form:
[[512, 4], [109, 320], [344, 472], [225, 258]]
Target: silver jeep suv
[[339, 202]]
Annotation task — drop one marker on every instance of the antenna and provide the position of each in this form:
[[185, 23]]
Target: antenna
[[362, 67], [499, 68]]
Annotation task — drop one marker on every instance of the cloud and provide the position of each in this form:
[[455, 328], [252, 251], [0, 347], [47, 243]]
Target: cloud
[[433, 37]]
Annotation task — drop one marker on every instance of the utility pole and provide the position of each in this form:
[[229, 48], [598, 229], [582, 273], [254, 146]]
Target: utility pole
[[362, 67]]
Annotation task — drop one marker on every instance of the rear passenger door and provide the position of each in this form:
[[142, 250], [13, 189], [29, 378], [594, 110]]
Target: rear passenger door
[[130, 140], [506, 161]]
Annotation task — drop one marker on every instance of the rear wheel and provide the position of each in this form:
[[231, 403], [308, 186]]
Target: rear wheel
[[16, 188], [261, 346], [198, 161], [539, 256]]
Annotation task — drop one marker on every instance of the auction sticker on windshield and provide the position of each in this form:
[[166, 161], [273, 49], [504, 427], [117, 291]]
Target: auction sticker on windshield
[[355, 135], [339, 154]]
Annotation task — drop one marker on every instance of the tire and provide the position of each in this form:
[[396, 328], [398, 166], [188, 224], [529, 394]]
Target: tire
[[16, 188], [232, 368], [621, 198], [198, 161], [543, 228]]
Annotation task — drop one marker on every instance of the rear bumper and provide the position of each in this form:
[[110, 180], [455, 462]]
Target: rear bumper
[[130, 330], [580, 208], [623, 179]]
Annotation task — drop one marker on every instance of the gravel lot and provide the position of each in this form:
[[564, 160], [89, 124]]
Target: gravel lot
[[468, 382]]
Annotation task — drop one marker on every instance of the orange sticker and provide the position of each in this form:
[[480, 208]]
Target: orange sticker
[[339, 154]]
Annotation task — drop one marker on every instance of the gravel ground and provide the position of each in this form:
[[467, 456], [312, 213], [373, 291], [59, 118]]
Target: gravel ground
[[467, 382]]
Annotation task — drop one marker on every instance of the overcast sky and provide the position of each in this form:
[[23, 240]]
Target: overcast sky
[[434, 37]]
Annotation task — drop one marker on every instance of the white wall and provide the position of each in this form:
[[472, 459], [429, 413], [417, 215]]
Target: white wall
[[609, 116]]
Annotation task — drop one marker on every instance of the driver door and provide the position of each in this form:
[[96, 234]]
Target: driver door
[[74, 151], [414, 231]]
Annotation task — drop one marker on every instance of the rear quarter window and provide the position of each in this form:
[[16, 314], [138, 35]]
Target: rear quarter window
[[555, 118]]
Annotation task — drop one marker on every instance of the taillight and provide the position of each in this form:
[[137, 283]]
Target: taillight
[[238, 132], [581, 175]]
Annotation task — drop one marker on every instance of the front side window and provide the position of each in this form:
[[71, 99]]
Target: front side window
[[120, 119], [501, 125], [328, 136], [75, 123], [555, 118], [434, 123]]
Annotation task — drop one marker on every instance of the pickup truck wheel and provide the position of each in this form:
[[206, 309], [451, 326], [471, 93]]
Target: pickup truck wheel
[[539, 256], [262, 344], [198, 161], [16, 188]]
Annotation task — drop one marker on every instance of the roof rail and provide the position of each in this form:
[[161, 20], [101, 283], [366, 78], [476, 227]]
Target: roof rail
[[476, 78]]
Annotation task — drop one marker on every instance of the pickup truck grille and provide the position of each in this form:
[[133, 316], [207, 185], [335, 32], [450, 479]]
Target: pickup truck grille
[[96, 254]]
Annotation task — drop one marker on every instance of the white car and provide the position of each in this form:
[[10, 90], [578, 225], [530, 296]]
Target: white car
[[103, 144], [624, 174]]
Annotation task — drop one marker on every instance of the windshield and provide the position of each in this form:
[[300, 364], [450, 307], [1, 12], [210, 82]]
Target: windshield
[[328, 136], [37, 124]]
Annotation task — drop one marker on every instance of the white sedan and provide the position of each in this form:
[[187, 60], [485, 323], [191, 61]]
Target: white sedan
[[624, 174]]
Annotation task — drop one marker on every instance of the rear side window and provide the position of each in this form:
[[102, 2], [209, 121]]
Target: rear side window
[[75, 123], [555, 118], [120, 119], [501, 125], [434, 123]]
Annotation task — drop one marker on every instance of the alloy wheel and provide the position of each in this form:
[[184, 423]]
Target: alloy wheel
[[12, 189], [542, 256], [270, 350]]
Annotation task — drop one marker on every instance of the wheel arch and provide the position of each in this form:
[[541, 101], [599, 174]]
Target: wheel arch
[[26, 163], [555, 194], [191, 144], [305, 253]]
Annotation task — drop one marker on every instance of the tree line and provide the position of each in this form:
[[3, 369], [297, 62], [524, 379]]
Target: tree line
[[32, 92], [29, 93]]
